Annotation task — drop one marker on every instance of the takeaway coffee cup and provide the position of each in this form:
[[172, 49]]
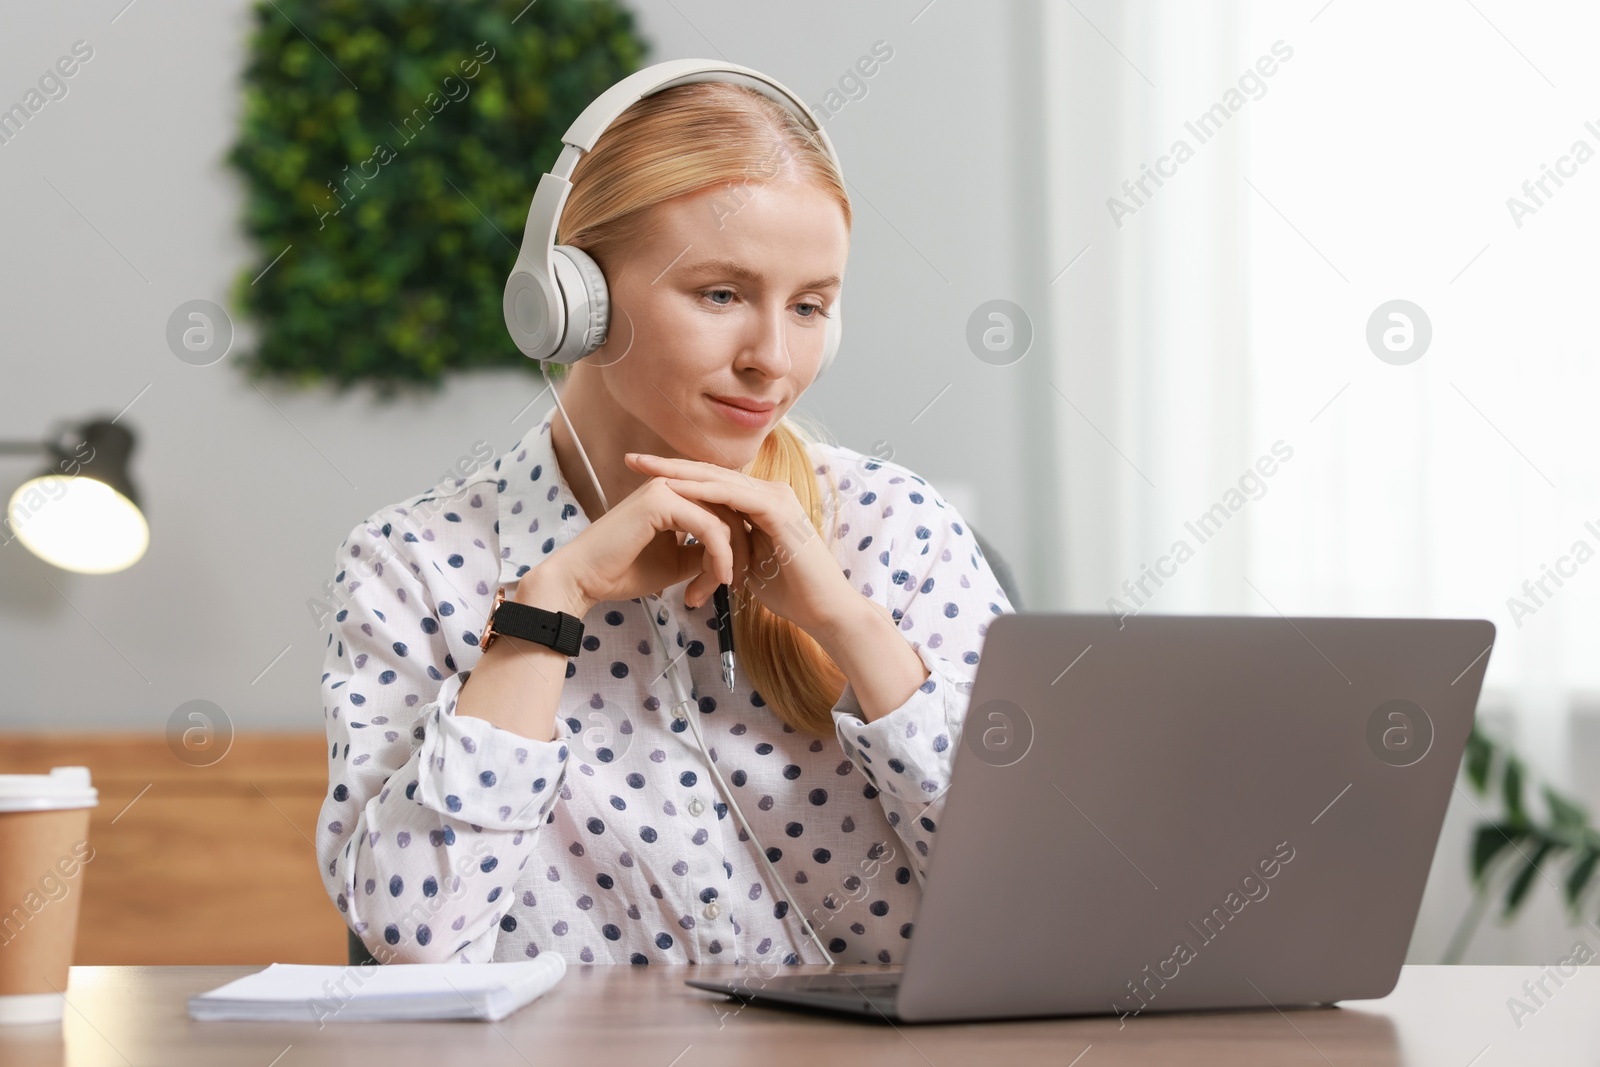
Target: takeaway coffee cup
[[44, 843]]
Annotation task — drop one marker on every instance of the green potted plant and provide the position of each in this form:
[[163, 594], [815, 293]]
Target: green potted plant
[[1511, 852]]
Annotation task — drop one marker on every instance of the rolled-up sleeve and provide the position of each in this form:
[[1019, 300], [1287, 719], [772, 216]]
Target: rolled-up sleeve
[[429, 818], [942, 593]]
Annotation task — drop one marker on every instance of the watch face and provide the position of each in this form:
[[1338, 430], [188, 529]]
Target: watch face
[[488, 626]]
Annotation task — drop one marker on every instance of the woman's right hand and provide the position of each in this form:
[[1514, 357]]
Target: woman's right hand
[[635, 549]]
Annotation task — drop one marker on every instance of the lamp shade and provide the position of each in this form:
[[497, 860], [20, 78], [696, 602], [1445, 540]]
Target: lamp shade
[[82, 513]]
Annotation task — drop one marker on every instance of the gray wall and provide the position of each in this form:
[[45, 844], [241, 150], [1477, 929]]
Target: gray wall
[[117, 208]]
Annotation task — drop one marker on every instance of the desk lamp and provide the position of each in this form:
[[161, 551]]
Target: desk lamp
[[81, 513]]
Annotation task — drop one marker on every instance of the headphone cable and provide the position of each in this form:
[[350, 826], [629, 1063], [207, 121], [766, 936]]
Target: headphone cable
[[685, 706]]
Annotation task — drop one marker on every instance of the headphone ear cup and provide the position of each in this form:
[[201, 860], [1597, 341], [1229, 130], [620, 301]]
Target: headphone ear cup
[[832, 335], [530, 305], [588, 299]]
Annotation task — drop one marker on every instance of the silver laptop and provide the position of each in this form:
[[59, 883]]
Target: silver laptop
[[1179, 813]]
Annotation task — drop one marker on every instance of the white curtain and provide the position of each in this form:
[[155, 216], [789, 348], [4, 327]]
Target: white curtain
[[1464, 483], [1338, 157]]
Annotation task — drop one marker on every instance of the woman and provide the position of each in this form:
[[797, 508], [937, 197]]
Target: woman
[[495, 804]]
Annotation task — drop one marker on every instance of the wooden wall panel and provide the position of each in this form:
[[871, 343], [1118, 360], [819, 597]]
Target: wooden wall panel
[[197, 865]]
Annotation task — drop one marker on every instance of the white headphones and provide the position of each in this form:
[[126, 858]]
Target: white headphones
[[556, 303]]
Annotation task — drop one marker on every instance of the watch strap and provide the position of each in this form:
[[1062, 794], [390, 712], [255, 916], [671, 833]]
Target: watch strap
[[555, 629]]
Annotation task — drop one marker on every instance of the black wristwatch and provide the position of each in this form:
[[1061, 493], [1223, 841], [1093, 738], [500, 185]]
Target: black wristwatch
[[556, 629]]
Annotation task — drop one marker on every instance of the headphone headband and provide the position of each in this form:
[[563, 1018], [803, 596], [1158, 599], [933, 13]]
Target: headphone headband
[[556, 303], [609, 105]]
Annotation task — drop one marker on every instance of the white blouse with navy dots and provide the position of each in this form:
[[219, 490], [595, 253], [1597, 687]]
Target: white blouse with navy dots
[[450, 839]]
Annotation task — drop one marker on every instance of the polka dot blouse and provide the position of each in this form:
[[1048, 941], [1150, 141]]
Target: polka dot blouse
[[446, 839]]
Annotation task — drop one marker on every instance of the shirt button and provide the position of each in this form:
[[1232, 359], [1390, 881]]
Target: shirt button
[[695, 807], [712, 910]]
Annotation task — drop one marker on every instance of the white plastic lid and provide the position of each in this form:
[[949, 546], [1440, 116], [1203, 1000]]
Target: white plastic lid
[[63, 787]]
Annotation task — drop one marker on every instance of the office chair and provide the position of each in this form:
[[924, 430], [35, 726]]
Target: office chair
[[360, 957], [1002, 572]]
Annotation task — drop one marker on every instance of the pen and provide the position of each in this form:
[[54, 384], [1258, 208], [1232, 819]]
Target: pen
[[719, 600]]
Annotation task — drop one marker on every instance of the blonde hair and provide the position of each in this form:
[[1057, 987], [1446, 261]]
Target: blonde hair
[[683, 140]]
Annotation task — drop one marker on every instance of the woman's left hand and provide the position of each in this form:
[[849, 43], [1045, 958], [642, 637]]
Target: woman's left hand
[[782, 561]]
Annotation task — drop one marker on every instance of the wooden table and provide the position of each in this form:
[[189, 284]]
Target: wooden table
[[646, 1016]]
